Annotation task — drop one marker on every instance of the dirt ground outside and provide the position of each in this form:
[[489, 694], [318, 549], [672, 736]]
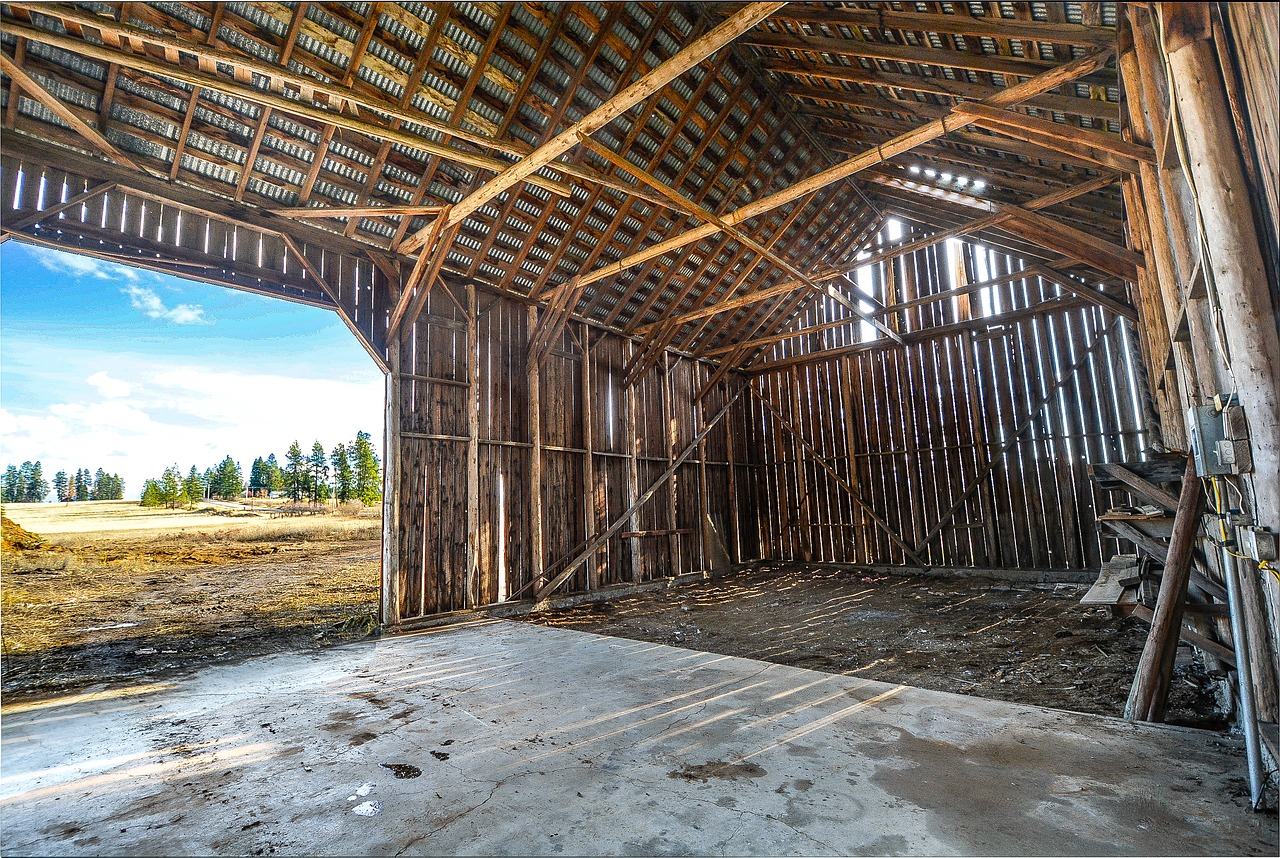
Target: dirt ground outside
[[110, 592]]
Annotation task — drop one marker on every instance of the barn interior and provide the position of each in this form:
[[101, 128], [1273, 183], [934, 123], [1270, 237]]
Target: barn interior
[[662, 291]]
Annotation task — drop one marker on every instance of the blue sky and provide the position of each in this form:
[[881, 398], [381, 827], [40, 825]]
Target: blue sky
[[103, 365]]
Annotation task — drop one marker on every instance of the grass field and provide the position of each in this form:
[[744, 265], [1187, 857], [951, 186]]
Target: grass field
[[109, 590]]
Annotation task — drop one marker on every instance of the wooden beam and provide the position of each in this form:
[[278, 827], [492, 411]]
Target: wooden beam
[[64, 112], [595, 542], [45, 214], [1006, 98], [420, 279], [939, 86], [698, 211], [316, 212], [995, 26], [292, 107], [817, 45], [1057, 130], [323, 283], [650, 83], [1150, 692]]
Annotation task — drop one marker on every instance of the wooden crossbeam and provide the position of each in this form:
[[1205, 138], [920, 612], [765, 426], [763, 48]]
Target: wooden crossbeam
[[995, 119], [596, 542], [315, 212], [903, 143], [942, 58], [553, 320], [1091, 249], [938, 85], [40, 216], [654, 80], [817, 457], [283, 104], [996, 27], [699, 212], [1139, 484], [64, 112], [421, 279]]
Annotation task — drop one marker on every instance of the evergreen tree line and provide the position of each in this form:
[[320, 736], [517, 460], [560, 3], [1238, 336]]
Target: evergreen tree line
[[26, 484], [223, 480], [348, 472]]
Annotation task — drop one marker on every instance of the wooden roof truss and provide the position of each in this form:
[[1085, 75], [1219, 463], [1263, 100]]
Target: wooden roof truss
[[695, 175]]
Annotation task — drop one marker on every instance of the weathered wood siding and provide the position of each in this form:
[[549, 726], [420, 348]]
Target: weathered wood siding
[[963, 443], [629, 436]]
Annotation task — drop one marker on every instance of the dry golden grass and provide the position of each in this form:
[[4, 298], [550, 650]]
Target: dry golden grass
[[80, 607]]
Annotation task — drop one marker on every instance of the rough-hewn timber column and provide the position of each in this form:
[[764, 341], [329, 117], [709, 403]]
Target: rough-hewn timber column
[[1235, 255]]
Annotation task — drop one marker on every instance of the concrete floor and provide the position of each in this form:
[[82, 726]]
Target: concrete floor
[[535, 741]]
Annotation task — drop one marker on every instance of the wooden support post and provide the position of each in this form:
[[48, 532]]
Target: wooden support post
[[735, 540], [631, 437], [669, 440], [1235, 260], [391, 464], [588, 459], [537, 556], [704, 508], [1150, 692], [470, 597]]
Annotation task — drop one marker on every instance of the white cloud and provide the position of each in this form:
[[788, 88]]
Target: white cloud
[[112, 388], [78, 265], [136, 419], [149, 302]]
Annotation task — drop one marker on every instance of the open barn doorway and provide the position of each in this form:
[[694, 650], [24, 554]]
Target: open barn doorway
[[193, 473]]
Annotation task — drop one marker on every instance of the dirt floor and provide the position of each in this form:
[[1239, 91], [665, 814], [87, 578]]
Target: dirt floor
[[108, 591], [189, 588], [1025, 643]]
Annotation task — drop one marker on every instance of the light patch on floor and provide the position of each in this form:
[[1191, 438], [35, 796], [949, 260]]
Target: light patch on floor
[[508, 738]]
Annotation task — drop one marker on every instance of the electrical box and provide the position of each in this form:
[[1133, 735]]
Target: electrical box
[[1258, 543], [1204, 424]]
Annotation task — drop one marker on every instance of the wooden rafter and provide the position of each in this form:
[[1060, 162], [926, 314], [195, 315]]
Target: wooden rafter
[[294, 107], [708, 217], [1006, 98], [816, 45], [957, 24], [651, 82], [33, 88]]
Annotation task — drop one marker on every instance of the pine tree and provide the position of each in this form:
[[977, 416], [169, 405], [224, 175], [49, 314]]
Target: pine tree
[[343, 476], [112, 487], [276, 475], [228, 480], [259, 479], [319, 462], [194, 484], [97, 490], [152, 494], [172, 491], [296, 473], [368, 484], [62, 486], [82, 484], [12, 484], [37, 487]]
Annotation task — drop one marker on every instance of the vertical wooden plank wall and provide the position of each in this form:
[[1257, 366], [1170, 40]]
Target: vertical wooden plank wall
[[601, 446], [963, 443]]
